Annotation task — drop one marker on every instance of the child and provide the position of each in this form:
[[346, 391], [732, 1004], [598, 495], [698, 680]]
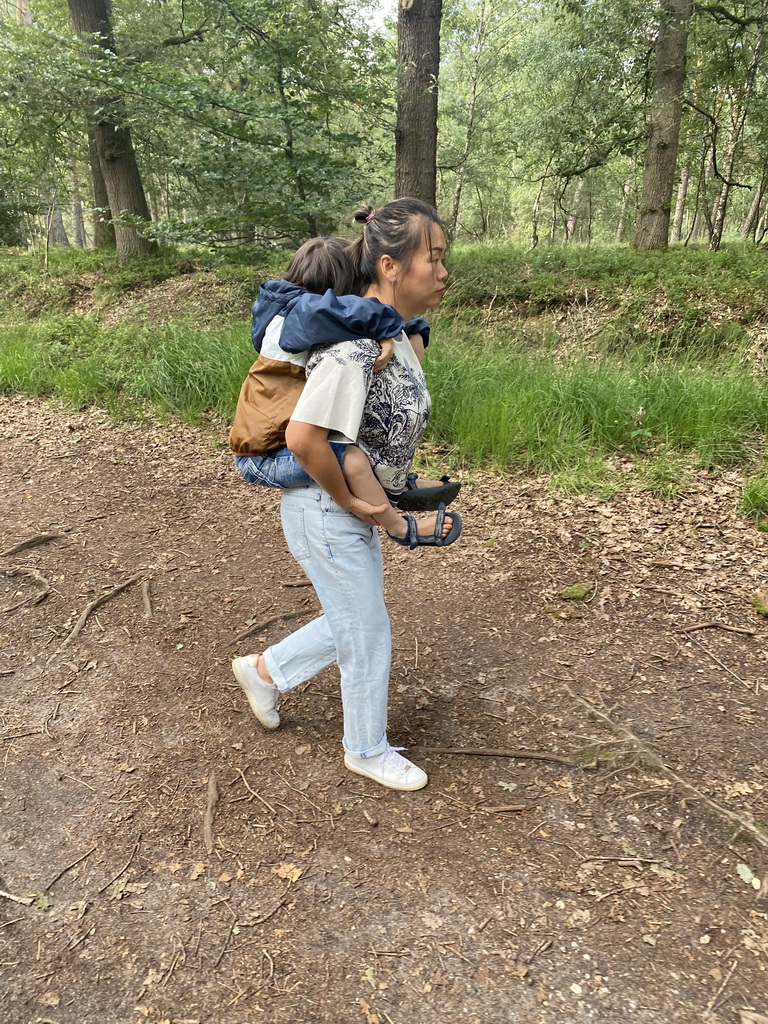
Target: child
[[289, 318]]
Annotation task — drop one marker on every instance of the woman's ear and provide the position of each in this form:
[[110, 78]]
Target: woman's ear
[[388, 268]]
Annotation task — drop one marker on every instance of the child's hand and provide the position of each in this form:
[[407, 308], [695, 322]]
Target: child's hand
[[387, 351], [364, 510]]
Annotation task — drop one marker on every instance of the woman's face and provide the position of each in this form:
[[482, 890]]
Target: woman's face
[[421, 285]]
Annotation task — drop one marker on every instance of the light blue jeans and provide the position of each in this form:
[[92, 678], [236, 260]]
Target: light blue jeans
[[341, 555]]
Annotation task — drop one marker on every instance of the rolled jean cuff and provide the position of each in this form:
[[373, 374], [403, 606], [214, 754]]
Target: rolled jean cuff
[[371, 751], [275, 673]]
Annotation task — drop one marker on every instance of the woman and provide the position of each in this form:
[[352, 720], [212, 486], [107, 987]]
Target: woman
[[399, 260]]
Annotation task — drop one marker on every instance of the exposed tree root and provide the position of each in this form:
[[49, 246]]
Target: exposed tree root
[[36, 598], [746, 823], [31, 542], [258, 626], [521, 755], [90, 608]]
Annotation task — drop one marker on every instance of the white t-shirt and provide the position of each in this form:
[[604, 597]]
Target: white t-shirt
[[384, 413]]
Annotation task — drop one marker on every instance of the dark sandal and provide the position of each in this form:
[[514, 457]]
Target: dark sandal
[[414, 539], [424, 499]]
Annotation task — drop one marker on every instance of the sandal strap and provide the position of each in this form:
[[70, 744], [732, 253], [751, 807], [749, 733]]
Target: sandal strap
[[437, 533]]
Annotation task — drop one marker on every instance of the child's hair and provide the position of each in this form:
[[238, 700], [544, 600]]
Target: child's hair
[[396, 229], [323, 263]]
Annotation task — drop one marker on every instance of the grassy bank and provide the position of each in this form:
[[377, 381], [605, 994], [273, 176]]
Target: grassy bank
[[553, 361]]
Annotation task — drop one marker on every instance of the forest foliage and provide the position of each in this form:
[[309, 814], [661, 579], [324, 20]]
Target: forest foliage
[[261, 121]]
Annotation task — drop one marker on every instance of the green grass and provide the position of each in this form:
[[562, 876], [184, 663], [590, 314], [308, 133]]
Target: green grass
[[173, 369], [517, 409], [754, 500]]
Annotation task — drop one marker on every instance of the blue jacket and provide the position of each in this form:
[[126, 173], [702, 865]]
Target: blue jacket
[[312, 319]]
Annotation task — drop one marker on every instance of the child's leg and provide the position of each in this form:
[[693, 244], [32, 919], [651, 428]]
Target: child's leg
[[363, 484], [277, 469]]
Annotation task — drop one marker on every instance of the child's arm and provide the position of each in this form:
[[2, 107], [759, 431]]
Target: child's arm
[[323, 319], [417, 344]]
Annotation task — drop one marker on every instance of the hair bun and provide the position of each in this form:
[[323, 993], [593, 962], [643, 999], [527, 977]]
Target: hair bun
[[363, 214]]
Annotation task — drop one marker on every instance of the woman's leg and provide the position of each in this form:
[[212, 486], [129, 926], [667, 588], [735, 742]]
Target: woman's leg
[[341, 555]]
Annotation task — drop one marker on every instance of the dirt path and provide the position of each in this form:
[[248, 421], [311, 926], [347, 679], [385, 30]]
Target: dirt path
[[608, 897]]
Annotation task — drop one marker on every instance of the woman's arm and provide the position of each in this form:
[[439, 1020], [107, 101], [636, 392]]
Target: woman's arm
[[309, 444]]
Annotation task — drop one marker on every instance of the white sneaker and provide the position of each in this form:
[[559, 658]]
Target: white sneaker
[[389, 769], [262, 696]]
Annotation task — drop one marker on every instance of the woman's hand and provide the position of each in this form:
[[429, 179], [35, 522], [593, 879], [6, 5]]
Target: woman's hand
[[364, 510]]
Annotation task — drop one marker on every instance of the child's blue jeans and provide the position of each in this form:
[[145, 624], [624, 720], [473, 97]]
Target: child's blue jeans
[[281, 468]]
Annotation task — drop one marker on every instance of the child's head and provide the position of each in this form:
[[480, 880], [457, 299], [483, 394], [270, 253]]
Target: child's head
[[323, 263]]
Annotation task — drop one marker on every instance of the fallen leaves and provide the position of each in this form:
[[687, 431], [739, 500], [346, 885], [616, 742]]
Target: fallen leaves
[[289, 871]]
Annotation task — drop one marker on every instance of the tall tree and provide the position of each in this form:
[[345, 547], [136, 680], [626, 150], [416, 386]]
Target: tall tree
[[652, 226], [418, 58], [92, 23]]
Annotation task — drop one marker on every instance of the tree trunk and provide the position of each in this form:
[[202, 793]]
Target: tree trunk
[[23, 12], [626, 195], [762, 227], [682, 192], [57, 234], [77, 210], [652, 227], [103, 228], [480, 41], [113, 139], [573, 215], [702, 221], [749, 226], [718, 218], [418, 58]]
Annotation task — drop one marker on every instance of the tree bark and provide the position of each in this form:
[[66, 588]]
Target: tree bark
[[77, 209], [682, 192], [418, 57], [652, 227], [626, 195], [113, 138], [478, 46]]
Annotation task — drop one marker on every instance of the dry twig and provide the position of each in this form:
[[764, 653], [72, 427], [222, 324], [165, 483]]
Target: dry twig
[[147, 599], [717, 625], [716, 996], [68, 868], [25, 901], [125, 867], [210, 812]]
